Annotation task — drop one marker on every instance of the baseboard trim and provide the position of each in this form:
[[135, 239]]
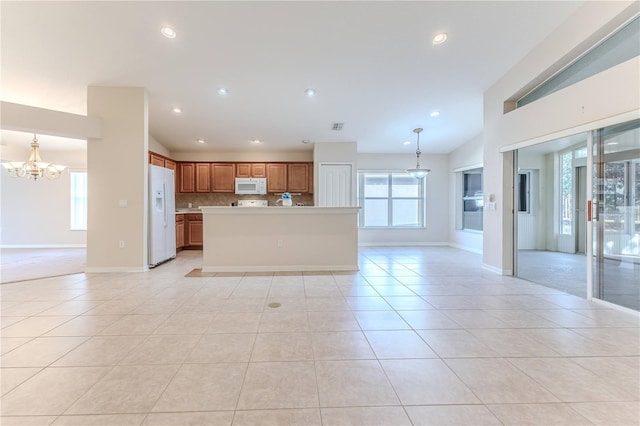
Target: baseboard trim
[[465, 248], [400, 244], [37, 246], [280, 268], [497, 270], [109, 269], [616, 307]]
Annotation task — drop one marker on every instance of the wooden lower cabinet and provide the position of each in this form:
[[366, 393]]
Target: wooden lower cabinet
[[179, 231], [193, 231]]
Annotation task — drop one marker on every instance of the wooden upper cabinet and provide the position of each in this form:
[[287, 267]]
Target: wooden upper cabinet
[[251, 170], [258, 170], [187, 177], [311, 186], [277, 177], [243, 170], [298, 177], [172, 165], [203, 177], [223, 177], [156, 160]]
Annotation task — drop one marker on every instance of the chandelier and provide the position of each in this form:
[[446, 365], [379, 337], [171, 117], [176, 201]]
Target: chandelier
[[34, 168], [418, 172]]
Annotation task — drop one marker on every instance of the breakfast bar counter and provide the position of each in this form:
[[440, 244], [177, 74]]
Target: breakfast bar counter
[[263, 239]]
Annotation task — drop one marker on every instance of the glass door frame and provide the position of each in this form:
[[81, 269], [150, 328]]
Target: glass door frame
[[590, 214], [591, 129], [599, 275]]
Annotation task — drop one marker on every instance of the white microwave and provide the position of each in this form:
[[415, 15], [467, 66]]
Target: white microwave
[[251, 186]]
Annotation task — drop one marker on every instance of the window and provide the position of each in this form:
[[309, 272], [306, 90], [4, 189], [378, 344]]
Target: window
[[524, 192], [566, 193], [472, 199], [78, 201], [619, 47], [390, 200]]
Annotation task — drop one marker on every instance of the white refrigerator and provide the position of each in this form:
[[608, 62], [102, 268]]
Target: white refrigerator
[[162, 215]]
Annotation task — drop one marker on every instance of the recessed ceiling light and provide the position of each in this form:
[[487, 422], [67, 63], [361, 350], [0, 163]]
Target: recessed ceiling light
[[200, 140], [306, 141], [434, 114], [223, 90], [439, 38], [168, 32], [406, 143], [310, 92], [256, 141], [177, 110]]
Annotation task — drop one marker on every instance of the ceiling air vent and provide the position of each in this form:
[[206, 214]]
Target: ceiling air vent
[[337, 126]]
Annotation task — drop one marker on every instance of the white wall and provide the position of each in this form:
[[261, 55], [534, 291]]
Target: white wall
[[532, 226], [468, 156], [437, 205], [118, 167], [37, 213], [614, 92], [157, 147]]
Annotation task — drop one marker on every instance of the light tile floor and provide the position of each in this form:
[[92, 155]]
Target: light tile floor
[[417, 336], [568, 272]]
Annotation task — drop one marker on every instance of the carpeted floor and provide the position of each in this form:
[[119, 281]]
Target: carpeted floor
[[29, 264]]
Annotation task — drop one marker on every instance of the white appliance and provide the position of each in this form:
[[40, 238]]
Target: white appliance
[[162, 215], [253, 203], [251, 186]]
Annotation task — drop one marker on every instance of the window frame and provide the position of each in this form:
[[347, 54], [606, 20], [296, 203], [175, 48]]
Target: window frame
[[527, 193], [463, 198], [570, 194], [390, 198], [73, 199]]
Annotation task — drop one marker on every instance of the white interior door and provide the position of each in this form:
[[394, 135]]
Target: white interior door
[[335, 185]]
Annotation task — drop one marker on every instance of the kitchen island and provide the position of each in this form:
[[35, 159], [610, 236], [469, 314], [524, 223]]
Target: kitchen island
[[263, 239]]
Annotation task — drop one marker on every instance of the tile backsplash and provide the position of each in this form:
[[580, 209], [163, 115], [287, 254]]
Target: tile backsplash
[[223, 199]]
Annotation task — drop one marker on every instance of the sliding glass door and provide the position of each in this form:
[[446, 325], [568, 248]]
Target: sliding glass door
[[616, 214], [577, 208]]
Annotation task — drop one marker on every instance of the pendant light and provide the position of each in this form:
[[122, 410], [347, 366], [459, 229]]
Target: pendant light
[[418, 172]]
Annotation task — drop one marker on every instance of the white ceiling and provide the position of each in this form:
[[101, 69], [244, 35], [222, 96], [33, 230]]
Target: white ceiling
[[372, 64]]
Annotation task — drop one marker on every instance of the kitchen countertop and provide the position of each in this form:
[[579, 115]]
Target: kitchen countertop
[[278, 210], [193, 210]]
